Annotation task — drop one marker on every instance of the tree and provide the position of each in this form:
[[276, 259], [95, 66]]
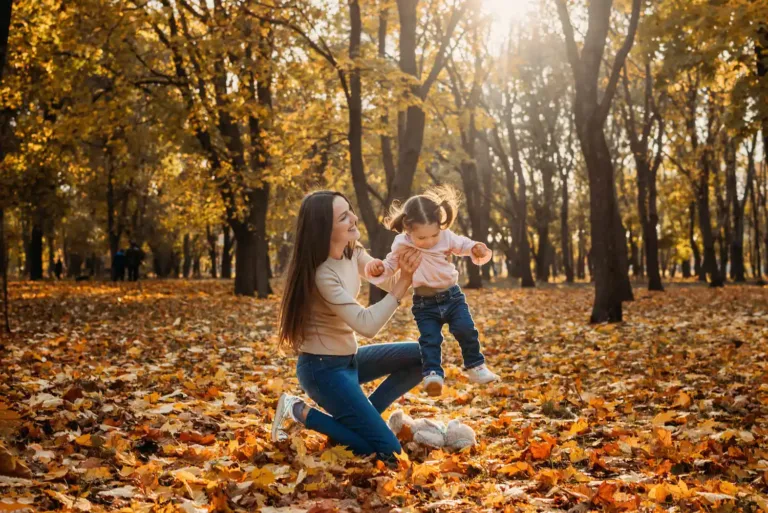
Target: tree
[[647, 163], [6, 7], [230, 122], [612, 285], [415, 78]]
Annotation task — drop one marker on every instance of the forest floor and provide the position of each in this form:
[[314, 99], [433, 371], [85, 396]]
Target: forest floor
[[158, 396]]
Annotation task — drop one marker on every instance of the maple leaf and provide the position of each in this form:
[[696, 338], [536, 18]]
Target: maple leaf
[[262, 477]]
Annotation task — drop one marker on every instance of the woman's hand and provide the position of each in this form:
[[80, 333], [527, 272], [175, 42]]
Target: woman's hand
[[409, 262]]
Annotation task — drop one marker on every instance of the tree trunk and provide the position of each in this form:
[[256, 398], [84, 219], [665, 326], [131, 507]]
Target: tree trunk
[[262, 266], [581, 261], [609, 247], [187, 256], [51, 260], [757, 270], [226, 253], [35, 253], [738, 207], [697, 267], [649, 219], [211, 238], [4, 264], [608, 241], [565, 233], [196, 266], [685, 265], [651, 238], [705, 226], [634, 254]]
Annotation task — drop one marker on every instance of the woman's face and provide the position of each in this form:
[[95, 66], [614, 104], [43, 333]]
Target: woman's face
[[344, 224]]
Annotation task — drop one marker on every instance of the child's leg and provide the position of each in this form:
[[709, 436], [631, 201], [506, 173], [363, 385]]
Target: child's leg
[[462, 327], [430, 325]]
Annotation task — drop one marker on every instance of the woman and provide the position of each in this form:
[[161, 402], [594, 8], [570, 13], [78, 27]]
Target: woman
[[319, 317]]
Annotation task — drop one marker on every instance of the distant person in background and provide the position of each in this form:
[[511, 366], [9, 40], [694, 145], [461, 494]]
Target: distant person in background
[[118, 266], [58, 268], [134, 257]]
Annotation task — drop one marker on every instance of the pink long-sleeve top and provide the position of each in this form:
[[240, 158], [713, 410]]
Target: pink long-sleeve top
[[436, 270]]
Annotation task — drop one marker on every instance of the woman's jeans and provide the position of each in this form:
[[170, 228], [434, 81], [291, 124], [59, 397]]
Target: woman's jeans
[[431, 313], [354, 420]]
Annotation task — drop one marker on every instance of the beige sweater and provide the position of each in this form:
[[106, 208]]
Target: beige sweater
[[335, 315]]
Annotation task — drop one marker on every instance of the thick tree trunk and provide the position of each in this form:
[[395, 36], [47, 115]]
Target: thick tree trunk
[[609, 245], [252, 250], [35, 253], [263, 270]]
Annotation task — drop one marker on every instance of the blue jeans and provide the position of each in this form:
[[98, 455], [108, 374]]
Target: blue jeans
[[431, 313], [353, 419]]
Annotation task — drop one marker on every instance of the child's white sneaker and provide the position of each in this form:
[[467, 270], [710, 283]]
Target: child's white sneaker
[[433, 384], [482, 375]]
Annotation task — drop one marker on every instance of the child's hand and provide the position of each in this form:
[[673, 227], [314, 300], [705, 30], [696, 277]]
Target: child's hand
[[480, 250], [374, 268]]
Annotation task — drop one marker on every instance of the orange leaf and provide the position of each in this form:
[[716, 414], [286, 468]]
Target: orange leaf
[[541, 450]]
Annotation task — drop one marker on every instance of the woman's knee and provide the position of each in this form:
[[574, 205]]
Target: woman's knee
[[413, 354], [387, 449]]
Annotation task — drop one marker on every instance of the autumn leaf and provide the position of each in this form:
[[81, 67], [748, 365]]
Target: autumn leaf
[[262, 477], [540, 450], [336, 454]]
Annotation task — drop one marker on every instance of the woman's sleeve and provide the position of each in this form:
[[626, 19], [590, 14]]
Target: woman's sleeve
[[365, 321], [388, 278]]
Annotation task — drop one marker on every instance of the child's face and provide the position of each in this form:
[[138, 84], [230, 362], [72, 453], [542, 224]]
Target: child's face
[[424, 236]]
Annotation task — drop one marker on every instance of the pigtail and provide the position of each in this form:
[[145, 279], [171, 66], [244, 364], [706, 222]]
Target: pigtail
[[395, 221], [447, 201], [447, 215]]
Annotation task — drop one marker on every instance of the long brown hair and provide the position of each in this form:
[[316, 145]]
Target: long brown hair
[[311, 248], [438, 205]]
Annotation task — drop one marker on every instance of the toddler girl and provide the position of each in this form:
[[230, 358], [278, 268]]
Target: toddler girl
[[423, 223]]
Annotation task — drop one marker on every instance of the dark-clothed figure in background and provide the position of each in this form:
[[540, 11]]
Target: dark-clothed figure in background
[[134, 257]]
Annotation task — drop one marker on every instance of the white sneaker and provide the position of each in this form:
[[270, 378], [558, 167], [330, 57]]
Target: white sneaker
[[433, 384], [482, 375], [284, 409]]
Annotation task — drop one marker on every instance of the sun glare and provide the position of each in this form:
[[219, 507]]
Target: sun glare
[[506, 11]]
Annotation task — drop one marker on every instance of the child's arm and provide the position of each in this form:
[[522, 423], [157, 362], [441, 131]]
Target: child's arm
[[391, 264], [386, 279], [464, 246]]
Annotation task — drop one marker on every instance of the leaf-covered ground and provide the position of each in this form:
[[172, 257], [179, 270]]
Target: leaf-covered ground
[[159, 397]]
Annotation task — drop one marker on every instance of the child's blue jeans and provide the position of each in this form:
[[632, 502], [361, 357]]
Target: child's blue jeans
[[431, 313]]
